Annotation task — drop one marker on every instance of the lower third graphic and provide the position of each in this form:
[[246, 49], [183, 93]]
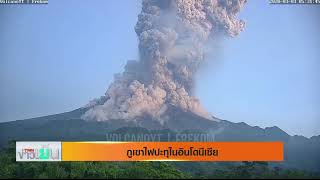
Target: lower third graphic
[[38, 151]]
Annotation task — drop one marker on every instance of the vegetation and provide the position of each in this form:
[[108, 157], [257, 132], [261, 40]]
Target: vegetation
[[138, 170]]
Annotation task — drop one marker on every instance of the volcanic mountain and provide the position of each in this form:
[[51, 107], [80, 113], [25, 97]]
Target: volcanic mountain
[[155, 94], [300, 152]]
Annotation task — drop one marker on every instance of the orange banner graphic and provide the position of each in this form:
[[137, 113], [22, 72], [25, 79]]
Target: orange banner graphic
[[172, 151]]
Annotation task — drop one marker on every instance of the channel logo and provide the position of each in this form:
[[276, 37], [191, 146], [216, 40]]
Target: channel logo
[[38, 151]]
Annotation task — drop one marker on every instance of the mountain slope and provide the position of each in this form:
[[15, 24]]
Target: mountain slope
[[300, 152]]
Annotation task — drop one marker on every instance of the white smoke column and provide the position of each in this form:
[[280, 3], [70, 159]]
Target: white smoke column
[[171, 39]]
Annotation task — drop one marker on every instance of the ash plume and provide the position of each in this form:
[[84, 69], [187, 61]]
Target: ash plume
[[172, 35]]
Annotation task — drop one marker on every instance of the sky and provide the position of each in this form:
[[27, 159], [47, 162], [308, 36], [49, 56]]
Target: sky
[[57, 57]]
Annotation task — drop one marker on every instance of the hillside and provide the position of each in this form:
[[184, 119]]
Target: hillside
[[300, 152]]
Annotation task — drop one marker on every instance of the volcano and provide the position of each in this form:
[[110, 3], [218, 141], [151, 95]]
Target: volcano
[[155, 94], [300, 152]]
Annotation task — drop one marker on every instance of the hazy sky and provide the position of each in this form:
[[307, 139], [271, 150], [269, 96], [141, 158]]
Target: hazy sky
[[55, 58]]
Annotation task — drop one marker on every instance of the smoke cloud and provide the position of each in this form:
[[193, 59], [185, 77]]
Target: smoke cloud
[[172, 35]]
